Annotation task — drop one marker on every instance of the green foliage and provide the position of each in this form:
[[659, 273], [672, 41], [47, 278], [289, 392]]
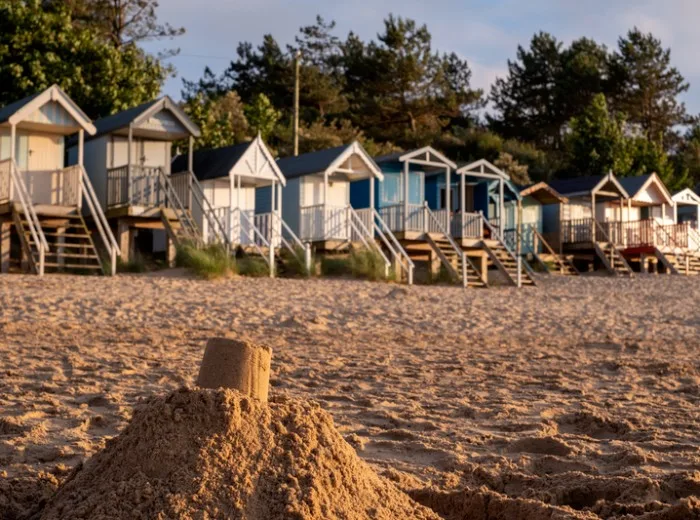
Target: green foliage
[[40, 47], [136, 264], [367, 264], [294, 264], [253, 266], [518, 172], [262, 116], [221, 120], [646, 86], [597, 142], [211, 262], [335, 266]]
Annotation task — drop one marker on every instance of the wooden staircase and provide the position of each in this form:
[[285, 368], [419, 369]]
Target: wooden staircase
[[71, 248], [554, 262], [180, 227], [612, 259], [501, 257], [450, 257], [687, 263]]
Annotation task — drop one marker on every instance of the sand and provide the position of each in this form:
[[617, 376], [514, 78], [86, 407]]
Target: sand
[[220, 454], [575, 399]]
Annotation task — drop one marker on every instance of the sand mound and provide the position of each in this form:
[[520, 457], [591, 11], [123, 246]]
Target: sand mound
[[218, 454]]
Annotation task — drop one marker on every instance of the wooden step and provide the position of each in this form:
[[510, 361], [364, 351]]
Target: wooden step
[[73, 266]]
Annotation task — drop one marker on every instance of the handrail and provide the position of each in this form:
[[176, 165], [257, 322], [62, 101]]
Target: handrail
[[32, 218], [458, 250], [518, 260], [352, 214], [295, 239], [397, 250], [207, 212], [600, 228], [256, 232], [360, 228], [172, 194], [100, 220], [672, 241]]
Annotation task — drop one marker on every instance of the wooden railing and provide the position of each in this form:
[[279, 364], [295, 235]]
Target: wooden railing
[[182, 184], [577, 231], [143, 188], [471, 227], [5, 181], [324, 222], [51, 187]]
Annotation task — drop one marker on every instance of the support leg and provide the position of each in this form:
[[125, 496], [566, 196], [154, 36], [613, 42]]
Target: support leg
[[170, 251], [5, 245], [124, 239]]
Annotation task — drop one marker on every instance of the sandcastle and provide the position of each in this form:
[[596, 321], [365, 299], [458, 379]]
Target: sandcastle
[[219, 453]]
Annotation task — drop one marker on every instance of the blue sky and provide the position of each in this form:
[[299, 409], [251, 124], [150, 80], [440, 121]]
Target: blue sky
[[486, 33]]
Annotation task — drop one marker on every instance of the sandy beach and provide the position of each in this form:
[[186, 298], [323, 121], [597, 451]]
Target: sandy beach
[[582, 394]]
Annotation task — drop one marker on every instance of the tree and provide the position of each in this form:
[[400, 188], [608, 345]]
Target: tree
[[647, 86], [400, 90], [121, 22], [650, 157], [518, 172], [222, 121], [526, 101], [597, 144], [40, 47], [262, 116]]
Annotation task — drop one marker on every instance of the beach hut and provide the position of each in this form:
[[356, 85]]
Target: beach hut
[[316, 204], [439, 213], [41, 199], [128, 160], [243, 184], [687, 204], [525, 223], [585, 226]]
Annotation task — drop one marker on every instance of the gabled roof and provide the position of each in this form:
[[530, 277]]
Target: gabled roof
[[587, 185], [483, 168], [543, 193], [637, 184], [15, 112], [139, 114], [686, 197], [216, 163], [325, 161], [426, 155]]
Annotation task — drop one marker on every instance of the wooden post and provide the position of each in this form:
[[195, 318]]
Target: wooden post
[[13, 144], [190, 155], [129, 188], [448, 196], [297, 62], [5, 242], [240, 365], [271, 251], [124, 240], [501, 207], [462, 203], [371, 193], [593, 229], [405, 196]]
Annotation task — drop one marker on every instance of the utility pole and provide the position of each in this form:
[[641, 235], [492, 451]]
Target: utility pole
[[297, 62]]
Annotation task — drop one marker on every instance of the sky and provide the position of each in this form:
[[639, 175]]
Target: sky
[[484, 32]]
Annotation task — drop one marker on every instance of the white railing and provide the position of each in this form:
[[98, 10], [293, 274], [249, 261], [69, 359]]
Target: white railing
[[399, 254], [137, 186], [471, 227], [324, 222], [360, 232], [269, 227], [5, 181], [458, 250], [98, 216], [18, 191], [518, 260], [439, 221], [258, 240]]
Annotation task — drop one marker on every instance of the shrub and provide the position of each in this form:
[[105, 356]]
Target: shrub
[[368, 264], [335, 266], [294, 265], [137, 264], [214, 261], [253, 266]]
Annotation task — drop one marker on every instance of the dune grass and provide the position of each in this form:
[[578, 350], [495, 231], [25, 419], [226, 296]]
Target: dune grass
[[253, 266], [211, 262], [294, 265], [363, 264]]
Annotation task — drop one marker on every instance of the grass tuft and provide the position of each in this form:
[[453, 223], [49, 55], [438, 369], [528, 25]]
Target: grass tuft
[[253, 266], [137, 264], [294, 265], [367, 264], [211, 262]]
